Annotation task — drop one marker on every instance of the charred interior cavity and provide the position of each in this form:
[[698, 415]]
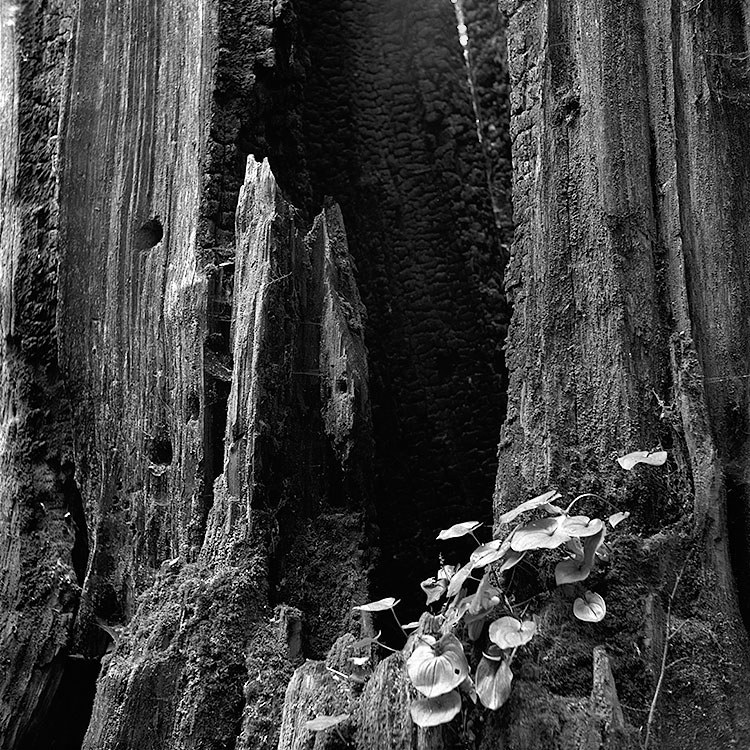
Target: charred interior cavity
[[390, 130], [62, 716], [370, 104]]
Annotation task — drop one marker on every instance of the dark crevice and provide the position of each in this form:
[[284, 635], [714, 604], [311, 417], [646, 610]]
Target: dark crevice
[[405, 163], [193, 410], [63, 713], [738, 521], [74, 504], [217, 379]]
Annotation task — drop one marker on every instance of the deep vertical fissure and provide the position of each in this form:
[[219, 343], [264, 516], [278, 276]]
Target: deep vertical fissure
[[393, 138], [391, 133], [76, 516], [217, 374]]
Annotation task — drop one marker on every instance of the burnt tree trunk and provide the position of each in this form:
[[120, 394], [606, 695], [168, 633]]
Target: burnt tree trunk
[[252, 267], [629, 285], [247, 388]]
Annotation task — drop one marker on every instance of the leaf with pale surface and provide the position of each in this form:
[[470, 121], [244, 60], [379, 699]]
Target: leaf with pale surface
[[580, 526], [535, 502], [616, 518], [652, 458], [543, 533], [459, 529], [325, 722], [431, 712], [590, 608], [509, 632], [493, 681], [437, 667], [381, 605]]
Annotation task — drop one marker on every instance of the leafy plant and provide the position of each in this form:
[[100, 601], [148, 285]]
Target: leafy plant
[[438, 667]]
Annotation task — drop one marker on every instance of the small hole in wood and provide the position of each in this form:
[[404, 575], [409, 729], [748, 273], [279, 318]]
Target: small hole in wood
[[149, 234], [160, 451], [193, 407]]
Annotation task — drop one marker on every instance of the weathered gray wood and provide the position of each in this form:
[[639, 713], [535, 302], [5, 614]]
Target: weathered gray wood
[[41, 534], [631, 207]]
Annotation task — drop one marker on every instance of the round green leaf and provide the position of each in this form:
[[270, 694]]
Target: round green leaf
[[459, 529], [616, 518], [571, 571], [486, 554], [508, 632], [430, 712], [535, 502], [435, 668], [581, 526], [590, 608], [493, 682], [381, 605], [652, 458], [544, 533]]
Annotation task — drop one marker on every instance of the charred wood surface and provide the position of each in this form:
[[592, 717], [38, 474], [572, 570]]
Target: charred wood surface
[[629, 293]]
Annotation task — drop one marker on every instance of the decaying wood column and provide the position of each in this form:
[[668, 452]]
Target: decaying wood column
[[631, 207], [43, 544]]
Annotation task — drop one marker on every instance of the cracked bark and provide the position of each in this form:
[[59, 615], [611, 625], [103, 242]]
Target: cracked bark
[[628, 288]]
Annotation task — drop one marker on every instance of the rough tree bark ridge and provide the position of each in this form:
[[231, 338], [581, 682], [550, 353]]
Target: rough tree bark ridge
[[627, 122]]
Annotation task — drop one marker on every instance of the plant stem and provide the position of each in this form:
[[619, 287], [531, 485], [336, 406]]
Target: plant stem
[[529, 600], [587, 494], [387, 648], [398, 622], [336, 672], [663, 668]]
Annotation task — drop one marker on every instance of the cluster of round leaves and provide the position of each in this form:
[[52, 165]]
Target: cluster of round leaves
[[437, 667]]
